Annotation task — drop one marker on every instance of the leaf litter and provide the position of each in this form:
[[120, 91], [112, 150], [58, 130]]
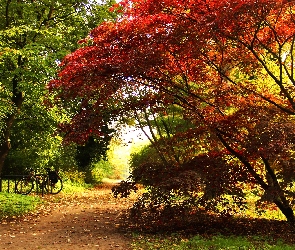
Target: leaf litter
[[96, 220], [88, 220]]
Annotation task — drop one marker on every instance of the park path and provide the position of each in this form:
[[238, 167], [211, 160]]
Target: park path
[[90, 220]]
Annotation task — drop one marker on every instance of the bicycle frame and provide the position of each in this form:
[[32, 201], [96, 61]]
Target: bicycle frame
[[40, 181]]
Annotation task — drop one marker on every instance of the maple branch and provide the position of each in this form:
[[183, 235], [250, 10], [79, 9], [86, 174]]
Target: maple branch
[[169, 93], [281, 67], [250, 47], [274, 179], [277, 81], [153, 139], [291, 49], [156, 124], [242, 159], [141, 127], [278, 57], [256, 32], [176, 86], [188, 92], [149, 125], [175, 155], [269, 170], [290, 75], [214, 66], [183, 75]]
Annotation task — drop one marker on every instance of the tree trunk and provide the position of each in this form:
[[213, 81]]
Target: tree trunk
[[17, 99], [5, 141], [4, 149], [286, 210], [281, 200]]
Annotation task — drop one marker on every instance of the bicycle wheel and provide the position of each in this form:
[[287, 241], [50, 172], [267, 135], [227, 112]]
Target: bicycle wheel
[[24, 186], [52, 187]]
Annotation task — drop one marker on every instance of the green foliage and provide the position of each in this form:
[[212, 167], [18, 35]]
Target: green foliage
[[16, 204], [92, 175], [73, 176], [147, 155], [34, 37], [171, 133], [96, 172], [38, 150], [94, 150], [100, 170]]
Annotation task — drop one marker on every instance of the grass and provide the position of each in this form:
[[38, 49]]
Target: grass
[[219, 242], [12, 204], [70, 187], [17, 204]]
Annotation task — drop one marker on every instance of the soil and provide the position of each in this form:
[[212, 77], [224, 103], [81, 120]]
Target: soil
[[96, 220], [90, 220]]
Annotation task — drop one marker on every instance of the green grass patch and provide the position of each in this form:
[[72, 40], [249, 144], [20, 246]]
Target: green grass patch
[[175, 242], [16, 204], [12, 204]]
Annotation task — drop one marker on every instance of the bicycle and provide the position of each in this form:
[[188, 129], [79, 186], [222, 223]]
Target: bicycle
[[47, 183]]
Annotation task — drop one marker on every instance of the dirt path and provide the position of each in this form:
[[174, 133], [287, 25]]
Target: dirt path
[[87, 221]]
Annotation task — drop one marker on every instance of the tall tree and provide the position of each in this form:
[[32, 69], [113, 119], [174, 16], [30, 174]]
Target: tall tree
[[228, 64], [34, 36]]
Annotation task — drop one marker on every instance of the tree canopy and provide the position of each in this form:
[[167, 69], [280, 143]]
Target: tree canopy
[[34, 37], [229, 67]]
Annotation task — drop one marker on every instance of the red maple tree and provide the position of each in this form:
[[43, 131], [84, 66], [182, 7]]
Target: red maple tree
[[229, 65]]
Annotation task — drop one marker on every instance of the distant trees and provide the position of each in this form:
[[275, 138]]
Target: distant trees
[[229, 68]]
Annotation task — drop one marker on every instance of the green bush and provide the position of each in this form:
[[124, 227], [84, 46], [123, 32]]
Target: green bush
[[101, 169], [92, 175], [73, 176]]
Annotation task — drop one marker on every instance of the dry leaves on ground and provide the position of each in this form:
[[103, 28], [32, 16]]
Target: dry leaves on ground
[[90, 220]]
